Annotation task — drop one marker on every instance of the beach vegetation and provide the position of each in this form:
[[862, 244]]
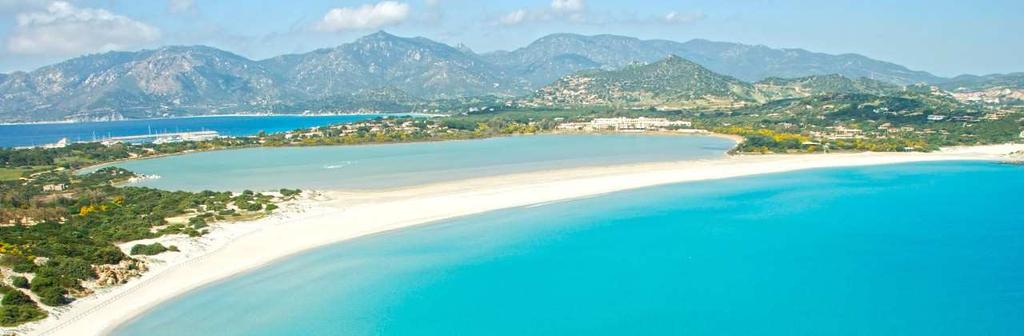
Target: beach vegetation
[[290, 192], [19, 282], [62, 225], [16, 307], [149, 249]]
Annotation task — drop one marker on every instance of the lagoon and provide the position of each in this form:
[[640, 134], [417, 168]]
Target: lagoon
[[913, 249], [397, 165]]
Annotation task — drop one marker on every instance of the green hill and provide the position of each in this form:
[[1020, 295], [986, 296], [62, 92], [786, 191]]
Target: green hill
[[781, 88], [673, 82]]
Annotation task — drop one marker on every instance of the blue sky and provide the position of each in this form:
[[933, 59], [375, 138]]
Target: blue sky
[[944, 37]]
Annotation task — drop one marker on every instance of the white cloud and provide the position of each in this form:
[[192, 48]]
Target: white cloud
[[63, 29], [180, 6], [681, 18], [368, 16], [571, 10], [567, 6], [513, 18]]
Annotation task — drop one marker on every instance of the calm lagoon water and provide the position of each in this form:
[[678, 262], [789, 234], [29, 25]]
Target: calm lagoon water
[[394, 165], [40, 134], [921, 249]]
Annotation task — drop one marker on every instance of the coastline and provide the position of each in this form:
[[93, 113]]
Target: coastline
[[58, 122], [343, 215]]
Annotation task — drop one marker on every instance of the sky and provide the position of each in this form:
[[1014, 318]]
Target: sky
[[944, 37]]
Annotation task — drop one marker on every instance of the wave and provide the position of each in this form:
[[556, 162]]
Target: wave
[[339, 165]]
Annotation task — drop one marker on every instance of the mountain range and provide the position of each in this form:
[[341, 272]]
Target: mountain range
[[552, 56], [380, 70]]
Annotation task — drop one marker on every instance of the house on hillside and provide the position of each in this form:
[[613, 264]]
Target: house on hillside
[[57, 187]]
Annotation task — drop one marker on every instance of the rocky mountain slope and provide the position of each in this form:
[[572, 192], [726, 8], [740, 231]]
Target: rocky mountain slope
[[365, 74], [545, 59], [418, 66], [148, 83]]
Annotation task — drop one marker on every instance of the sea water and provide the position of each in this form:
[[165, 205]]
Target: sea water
[[48, 133], [395, 165], [913, 249]]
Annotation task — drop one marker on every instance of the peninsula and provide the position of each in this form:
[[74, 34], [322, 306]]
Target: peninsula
[[330, 216]]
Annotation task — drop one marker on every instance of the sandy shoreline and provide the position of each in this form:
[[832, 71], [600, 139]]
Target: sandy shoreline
[[342, 215]]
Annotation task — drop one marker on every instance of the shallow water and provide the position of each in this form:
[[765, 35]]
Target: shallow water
[[916, 249], [395, 165]]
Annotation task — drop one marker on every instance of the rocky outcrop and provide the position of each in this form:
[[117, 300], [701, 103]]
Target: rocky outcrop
[[116, 274], [80, 293], [1015, 157]]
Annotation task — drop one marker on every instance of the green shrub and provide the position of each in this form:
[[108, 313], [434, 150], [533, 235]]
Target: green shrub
[[17, 308], [197, 222], [151, 249], [16, 297], [53, 296], [290, 192], [11, 316], [67, 268], [18, 264], [19, 281], [50, 291], [23, 268]]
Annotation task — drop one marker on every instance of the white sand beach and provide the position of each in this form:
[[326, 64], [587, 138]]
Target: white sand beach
[[336, 216]]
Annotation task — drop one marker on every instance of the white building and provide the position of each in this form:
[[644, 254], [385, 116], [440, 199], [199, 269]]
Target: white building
[[623, 124], [59, 144], [840, 133], [55, 187]]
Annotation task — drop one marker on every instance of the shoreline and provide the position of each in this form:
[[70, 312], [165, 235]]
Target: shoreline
[[61, 122], [343, 215]]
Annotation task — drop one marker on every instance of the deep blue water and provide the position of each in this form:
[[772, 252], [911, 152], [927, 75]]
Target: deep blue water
[[40, 134], [395, 165], [922, 249]]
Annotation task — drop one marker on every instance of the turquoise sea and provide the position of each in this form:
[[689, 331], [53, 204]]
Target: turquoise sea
[[918, 249], [41, 134], [394, 165]]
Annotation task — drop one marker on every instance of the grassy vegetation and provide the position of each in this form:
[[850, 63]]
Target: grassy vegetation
[[10, 174], [16, 173], [152, 249], [17, 307], [60, 236]]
